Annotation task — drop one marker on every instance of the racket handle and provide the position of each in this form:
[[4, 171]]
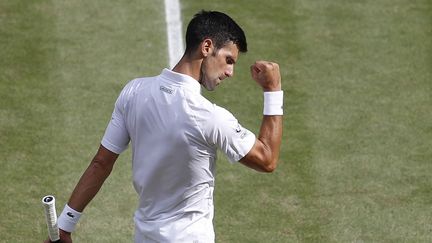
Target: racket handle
[[48, 203]]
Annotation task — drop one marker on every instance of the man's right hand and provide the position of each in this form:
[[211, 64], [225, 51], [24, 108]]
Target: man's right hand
[[65, 237], [267, 75]]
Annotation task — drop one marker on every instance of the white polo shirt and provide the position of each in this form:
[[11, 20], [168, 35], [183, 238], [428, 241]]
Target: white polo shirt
[[175, 133]]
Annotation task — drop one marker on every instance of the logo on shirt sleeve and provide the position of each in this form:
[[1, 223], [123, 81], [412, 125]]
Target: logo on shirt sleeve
[[238, 128], [241, 132]]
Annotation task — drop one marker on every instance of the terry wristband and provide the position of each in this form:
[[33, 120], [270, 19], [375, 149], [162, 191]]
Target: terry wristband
[[68, 219], [273, 103]]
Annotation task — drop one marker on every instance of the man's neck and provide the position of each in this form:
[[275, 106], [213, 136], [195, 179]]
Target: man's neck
[[189, 65]]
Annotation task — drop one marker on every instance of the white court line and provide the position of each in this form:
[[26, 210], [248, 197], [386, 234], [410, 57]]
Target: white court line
[[174, 31]]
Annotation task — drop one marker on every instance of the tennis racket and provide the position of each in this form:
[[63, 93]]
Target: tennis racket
[[48, 203]]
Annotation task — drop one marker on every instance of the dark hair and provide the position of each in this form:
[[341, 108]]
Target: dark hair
[[218, 27]]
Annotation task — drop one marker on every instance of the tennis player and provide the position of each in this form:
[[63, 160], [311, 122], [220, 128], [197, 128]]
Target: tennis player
[[175, 132]]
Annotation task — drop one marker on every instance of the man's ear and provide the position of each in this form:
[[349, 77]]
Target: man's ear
[[207, 47]]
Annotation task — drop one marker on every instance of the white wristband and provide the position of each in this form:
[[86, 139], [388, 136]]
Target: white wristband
[[68, 219], [273, 103]]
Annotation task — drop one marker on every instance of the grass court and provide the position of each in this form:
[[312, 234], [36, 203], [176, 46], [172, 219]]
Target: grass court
[[356, 158]]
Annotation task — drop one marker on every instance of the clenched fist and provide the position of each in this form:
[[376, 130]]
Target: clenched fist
[[267, 75]]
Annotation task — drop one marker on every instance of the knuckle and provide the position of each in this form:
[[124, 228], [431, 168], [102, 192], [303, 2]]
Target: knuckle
[[271, 65]]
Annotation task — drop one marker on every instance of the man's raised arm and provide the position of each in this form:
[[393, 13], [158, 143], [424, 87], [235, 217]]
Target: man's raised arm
[[264, 155]]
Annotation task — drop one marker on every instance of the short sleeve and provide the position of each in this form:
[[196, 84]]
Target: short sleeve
[[116, 137], [224, 131]]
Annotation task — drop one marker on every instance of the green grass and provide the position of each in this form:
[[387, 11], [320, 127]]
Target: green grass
[[369, 104], [356, 154]]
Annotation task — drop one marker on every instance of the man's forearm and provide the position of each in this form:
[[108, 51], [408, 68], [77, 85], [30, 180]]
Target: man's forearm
[[92, 179], [264, 154], [88, 186], [270, 135]]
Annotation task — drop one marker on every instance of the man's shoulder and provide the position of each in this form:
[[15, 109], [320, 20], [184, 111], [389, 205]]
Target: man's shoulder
[[221, 113], [137, 84], [212, 111], [201, 103]]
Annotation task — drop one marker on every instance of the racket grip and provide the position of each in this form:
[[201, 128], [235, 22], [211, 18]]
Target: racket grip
[[48, 203]]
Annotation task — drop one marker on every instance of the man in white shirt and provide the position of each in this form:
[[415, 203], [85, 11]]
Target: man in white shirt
[[175, 133]]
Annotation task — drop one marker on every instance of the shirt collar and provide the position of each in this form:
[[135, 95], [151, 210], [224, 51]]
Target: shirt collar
[[181, 79]]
